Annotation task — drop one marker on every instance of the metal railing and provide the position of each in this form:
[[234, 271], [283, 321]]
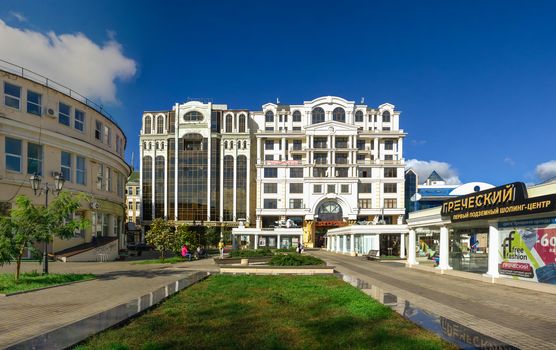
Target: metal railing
[[41, 79]]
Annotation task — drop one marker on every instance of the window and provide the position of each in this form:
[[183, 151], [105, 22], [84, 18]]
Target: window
[[296, 128], [341, 172], [119, 144], [339, 115], [388, 157], [317, 188], [365, 187], [98, 129], [193, 116], [65, 163], [64, 112], [317, 115], [344, 188], [269, 128], [269, 157], [361, 145], [359, 116], [296, 203], [296, 188], [341, 142], [390, 172], [108, 179], [296, 172], [13, 154], [34, 100], [296, 157], [270, 188], [148, 126], [330, 188], [321, 158], [270, 172], [241, 126], [296, 116], [79, 122], [341, 158], [108, 135], [269, 117], [365, 172], [320, 172], [80, 171], [388, 145], [386, 117], [270, 203], [229, 122], [129, 191], [34, 159], [320, 142], [12, 95], [365, 204], [390, 188], [296, 146], [360, 158], [130, 205], [269, 144], [390, 203], [100, 174], [160, 124]]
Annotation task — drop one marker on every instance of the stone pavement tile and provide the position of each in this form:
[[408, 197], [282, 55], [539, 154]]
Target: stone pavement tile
[[520, 317]]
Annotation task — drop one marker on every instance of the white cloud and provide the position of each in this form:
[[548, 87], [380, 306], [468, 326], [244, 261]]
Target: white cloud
[[546, 170], [70, 59], [424, 168], [18, 16], [509, 161]]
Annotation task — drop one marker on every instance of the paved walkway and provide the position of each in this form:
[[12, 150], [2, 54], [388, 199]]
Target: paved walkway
[[520, 317], [27, 315]]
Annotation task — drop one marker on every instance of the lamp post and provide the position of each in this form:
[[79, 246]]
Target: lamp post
[[46, 188]]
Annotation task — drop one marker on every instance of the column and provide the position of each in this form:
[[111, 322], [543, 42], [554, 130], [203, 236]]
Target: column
[[411, 259], [209, 173], [444, 249], [400, 148], [402, 245], [376, 150], [344, 243], [284, 150], [256, 241], [259, 143], [328, 243], [352, 244], [278, 242], [493, 244]]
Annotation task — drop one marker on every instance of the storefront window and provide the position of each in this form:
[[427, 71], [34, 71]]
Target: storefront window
[[468, 250], [428, 243]]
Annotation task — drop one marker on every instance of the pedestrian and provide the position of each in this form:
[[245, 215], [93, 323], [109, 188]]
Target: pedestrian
[[301, 248], [298, 249], [221, 248], [185, 252]]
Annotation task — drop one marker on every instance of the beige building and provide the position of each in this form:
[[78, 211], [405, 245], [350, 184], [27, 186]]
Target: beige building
[[47, 129], [133, 199]]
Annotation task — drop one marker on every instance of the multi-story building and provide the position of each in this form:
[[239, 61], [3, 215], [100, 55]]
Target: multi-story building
[[49, 130], [133, 198], [313, 166]]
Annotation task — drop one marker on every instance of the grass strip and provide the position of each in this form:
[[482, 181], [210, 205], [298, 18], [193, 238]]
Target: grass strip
[[34, 280]]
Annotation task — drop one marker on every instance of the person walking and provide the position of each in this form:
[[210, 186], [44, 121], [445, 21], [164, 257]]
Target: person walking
[[221, 248]]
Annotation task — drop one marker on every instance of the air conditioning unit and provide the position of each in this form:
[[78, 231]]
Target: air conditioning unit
[[50, 113]]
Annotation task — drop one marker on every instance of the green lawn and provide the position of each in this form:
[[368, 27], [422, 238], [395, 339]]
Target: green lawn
[[170, 260], [269, 312], [34, 280]]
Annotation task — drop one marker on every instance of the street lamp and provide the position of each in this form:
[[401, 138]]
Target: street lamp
[[38, 190]]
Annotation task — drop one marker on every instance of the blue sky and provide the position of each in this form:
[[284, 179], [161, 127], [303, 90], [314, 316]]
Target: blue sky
[[475, 80]]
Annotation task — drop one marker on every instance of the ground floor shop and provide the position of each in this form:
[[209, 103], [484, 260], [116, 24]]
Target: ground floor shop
[[513, 238], [273, 238], [388, 240]]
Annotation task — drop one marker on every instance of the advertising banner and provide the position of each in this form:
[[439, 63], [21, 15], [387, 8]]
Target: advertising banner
[[528, 250]]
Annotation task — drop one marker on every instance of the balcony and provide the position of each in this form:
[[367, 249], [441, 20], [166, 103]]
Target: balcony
[[284, 163]]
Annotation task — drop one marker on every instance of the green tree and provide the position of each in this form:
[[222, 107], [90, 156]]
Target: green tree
[[162, 236], [28, 224], [191, 235], [213, 235]]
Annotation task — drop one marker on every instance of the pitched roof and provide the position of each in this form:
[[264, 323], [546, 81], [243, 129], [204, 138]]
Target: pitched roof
[[435, 177]]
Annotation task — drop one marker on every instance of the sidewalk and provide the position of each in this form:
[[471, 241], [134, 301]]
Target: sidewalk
[[523, 318], [30, 314]]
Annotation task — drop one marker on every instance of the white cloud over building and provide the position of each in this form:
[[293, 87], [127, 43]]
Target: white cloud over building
[[546, 170], [424, 168]]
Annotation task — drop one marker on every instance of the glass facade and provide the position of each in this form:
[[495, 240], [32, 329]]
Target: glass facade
[[159, 187], [215, 180], [192, 178], [241, 187], [147, 188], [228, 188], [171, 178]]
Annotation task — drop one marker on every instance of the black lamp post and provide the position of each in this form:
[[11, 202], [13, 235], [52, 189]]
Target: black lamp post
[[38, 190]]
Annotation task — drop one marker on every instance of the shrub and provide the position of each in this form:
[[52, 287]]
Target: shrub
[[285, 250], [249, 253], [295, 260]]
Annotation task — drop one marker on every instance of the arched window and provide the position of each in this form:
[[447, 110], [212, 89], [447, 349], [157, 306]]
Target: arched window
[[330, 211], [229, 118], [386, 117], [193, 116], [296, 116], [160, 124], [148, 126], [359, 116], [317, 115], [172, 122], [241, 126], [244, 144], [339, 115], [225, 144], [231, 144], [269, 117]]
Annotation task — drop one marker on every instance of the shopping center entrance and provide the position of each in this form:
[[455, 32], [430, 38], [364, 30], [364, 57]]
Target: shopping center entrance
[[329, 216]]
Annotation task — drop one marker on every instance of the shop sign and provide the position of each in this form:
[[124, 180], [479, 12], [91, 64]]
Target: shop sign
[[503, 201], [528, 250]]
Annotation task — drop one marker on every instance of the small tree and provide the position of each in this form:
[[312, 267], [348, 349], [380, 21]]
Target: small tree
[[161, 236], [28, 224], [190, 235], [213, 235]]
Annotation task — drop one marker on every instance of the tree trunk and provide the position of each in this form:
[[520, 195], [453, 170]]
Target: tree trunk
[[18, 262], [162, 255]]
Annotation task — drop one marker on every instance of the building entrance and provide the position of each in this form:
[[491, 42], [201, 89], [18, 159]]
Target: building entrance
[[390, 244]]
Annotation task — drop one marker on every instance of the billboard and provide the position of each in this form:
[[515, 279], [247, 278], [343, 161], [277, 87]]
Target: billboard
[[528, 250]]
